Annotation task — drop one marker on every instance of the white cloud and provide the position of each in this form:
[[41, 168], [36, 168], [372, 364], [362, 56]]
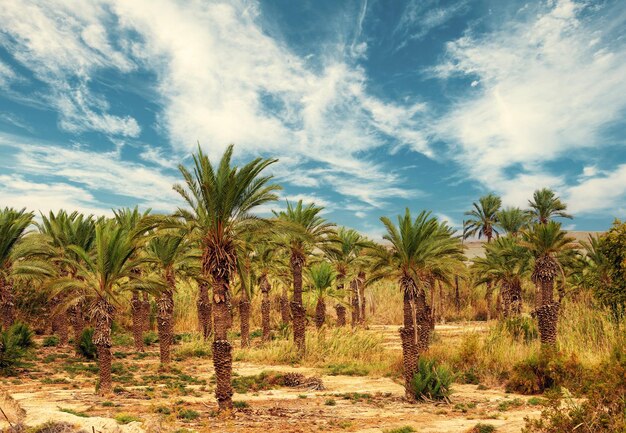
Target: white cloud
[[94, 172], [546, 91], [604, 192], [6, 75]]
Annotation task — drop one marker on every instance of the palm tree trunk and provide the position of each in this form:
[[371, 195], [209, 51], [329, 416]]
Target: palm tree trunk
[[138, 322], [547, 314], [103, 317], [285, 316], [297, 309], [145, 313], [457, 294], [361, 285], [488, 296], [165, 319], [7, 308], [341, 315], [424, 321], [265, 307], [516, 297], [222, 349], [77, 320], [244, 319], [354, 291], [320, 312], [410, 353], [204, 305]]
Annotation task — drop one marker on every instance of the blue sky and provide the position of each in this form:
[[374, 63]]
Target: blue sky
[[371, 106]]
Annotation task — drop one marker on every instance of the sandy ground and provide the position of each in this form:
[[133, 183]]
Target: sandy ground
[[58, 384]]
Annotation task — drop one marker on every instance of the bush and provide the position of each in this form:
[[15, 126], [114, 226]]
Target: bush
[[521, 328], [545, 370], [51, 341], [126, 418], [482, 428], [150, 338], [15, 342], [85, 346], [432, 381]]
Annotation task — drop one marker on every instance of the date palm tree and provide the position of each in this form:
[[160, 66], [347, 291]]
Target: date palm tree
[[133, 220], [483, 221], [512, 220], [264, 260], [303, 230], [172, 257], [547, 244], [345, 255], [416, 248], [61, 231], [22, 255], [321, 276], [220, 199], [545, 205], [103, 276]]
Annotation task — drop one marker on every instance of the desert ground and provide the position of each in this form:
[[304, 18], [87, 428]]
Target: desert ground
[[58, 387]]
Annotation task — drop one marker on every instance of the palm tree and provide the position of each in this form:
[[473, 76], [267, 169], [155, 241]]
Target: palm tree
[[345, 255], [321, 277], [303, 231], [416, 247], [220, 200], [132, 220], [483, 222], [545, 205], [63, 230], [512, 220], [20, 257], [547, 243], [171, 255], [265, 263], [505, 262], [103, 276]]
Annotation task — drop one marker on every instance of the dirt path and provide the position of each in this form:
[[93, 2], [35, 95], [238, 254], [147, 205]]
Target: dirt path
[[60, 388]]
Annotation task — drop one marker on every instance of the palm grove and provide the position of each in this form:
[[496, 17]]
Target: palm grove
[[92, 270]]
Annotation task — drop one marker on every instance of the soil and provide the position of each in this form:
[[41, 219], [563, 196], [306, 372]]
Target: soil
[[59, 387]]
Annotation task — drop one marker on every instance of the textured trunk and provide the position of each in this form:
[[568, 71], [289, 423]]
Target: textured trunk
[[488, 296], [138, 321], [60, 325], [297, 309], [244, 319], [546, 269], [424, 321], [205, 318], [516, 297], [361, 285], [7, 308], [505, 295], [265, 307], [77, 320], [410, 354], [457, 294], [165, 319], [320, 312], [354, 300], [285, 315], [341, 315], [222, 349], [146, 313], [103, 317]]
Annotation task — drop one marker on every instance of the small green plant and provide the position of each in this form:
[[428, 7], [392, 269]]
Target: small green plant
[[405, 429], [15, 343], [50, 341], [150, 338], [126, 418], [536, 401], [85, 346], [432, 381], [507, 404], [240, 404], [23, 335], [74, 412], [482, 428], [330, 402], [189, 414], [108, 404]]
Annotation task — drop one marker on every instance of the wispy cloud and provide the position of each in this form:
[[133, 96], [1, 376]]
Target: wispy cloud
[[550, 83]]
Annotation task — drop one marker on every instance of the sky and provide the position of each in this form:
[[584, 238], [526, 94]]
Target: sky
[[370, 106]]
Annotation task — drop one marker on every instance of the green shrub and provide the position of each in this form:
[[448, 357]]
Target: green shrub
[[50, 341], [405, 429], [189, 414], [432, 381], [545, 370], [330, 402], [23, 335], [126, 418], [521, 328], [482, 428], [150, 338], [240, 404], [85, 346]]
